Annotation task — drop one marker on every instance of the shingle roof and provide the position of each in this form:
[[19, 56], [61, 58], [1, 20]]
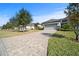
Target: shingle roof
[[55, 20], [51, 21]]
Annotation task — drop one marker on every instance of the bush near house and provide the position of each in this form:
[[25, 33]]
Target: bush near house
[[65, 27], [39, 26]]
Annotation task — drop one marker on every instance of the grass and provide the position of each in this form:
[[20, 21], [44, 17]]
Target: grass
[[4, 34], [63, 44]]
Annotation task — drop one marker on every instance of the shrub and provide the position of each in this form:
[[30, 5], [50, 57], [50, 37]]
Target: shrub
[[65, 27], [40, 27]]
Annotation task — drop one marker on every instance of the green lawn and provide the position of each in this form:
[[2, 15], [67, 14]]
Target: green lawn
[[4, 34], [63, 44]]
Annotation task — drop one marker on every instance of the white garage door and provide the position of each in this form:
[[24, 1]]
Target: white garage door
[[50, 27]]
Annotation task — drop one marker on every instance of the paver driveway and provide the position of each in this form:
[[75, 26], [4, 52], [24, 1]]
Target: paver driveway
[[33, 44]]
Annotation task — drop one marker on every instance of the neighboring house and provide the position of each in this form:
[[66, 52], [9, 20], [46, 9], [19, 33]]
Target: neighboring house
[[30, 26], [25, 28], [54, 23]]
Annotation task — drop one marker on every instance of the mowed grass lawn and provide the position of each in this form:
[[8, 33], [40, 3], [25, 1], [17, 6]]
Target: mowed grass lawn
[[63, 44], [4, 34]]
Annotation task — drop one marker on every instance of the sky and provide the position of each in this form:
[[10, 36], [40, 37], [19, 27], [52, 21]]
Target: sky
[[40, 11]]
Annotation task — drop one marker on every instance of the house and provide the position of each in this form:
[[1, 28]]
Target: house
[[22, 28], [33, 26], [27, 27], [54, 23], [30, 26]]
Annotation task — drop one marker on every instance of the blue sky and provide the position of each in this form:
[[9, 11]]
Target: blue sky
[[40, 11]]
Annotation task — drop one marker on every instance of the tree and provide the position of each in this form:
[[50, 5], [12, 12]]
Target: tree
[[72, 12], [36, 25], [14, 22], [23, 17], [4, 27], [8, 26]]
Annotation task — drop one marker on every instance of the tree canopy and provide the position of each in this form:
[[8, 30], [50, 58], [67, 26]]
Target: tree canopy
[[23, 17], [72, 12]]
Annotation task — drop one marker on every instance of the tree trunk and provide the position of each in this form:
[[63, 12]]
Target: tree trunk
[[77, 37]]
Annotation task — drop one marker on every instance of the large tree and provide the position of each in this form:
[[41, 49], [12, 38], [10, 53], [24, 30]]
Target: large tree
[[72, 12], [22, 18], [8, 25], [14, 21]]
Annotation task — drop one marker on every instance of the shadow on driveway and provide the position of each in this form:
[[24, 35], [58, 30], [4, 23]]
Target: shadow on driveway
[[47, 34]]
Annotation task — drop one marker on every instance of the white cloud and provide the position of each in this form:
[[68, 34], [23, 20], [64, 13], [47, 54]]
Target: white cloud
[[3, 20], [55, 15]]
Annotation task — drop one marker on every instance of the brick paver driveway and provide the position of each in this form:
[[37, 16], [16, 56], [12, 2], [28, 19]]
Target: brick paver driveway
[[33, 44]]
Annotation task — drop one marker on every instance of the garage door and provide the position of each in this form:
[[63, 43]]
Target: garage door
[[50, 27]]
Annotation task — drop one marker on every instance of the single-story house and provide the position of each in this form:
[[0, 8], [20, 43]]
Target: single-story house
[[33, 26], [27, 27], [54, 23], [30, 26]]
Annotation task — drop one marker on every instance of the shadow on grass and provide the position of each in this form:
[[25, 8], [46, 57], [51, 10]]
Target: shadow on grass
[[54, 35], [63, 36], [58, 35]]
